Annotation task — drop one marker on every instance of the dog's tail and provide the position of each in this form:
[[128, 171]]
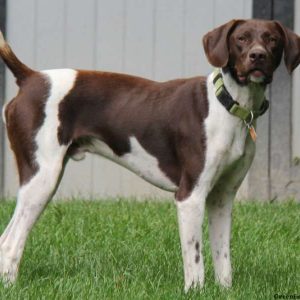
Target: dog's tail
[[20, 71]]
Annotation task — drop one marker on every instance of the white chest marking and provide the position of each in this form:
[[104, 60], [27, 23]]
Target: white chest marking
[[225, 134], [138, 160]]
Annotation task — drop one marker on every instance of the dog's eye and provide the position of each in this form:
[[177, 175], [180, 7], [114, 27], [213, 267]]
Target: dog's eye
[[270, 39], [242, 38], [273, 39]]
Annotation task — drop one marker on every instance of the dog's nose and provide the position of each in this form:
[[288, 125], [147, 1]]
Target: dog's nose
[[257, 55]]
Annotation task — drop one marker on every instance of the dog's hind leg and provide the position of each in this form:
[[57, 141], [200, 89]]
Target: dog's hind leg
[[32, 199]]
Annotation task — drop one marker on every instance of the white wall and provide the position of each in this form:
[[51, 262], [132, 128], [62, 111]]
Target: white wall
[[158, 39]]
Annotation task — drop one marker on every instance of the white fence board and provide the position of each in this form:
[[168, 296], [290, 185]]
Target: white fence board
[[198, 21], [169, 37], [50, 35]]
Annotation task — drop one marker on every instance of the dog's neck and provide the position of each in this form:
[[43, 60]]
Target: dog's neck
[[250, 96]]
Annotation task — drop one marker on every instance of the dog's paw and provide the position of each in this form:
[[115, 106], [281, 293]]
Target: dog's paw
[[194, 282], [193, 285], [8, 269], [225, 281], [193, 274]]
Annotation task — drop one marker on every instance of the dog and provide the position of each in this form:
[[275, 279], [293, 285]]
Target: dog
[[194, 137]]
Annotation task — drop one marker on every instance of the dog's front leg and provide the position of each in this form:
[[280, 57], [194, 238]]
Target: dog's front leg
[[190, 217], [219, 206]]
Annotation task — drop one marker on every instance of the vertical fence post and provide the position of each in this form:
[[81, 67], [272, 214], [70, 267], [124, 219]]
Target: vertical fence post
[[281, 113], [270, 175], [259, 174]]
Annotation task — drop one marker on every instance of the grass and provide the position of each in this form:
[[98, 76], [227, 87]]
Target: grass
[[131, 250]]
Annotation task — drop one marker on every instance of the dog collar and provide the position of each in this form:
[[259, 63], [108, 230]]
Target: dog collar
[[232, 106]]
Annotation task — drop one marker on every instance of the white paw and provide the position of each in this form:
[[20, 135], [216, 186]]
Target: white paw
[[225, 281], [8, 269], [194, 279], [193, 285]]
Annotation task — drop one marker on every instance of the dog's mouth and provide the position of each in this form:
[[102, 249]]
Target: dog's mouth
[[254, 75]]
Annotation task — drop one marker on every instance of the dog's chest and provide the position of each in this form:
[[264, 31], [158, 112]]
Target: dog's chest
[[226, 144], [226, 137]]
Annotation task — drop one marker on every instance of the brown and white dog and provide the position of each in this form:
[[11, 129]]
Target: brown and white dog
[[175, 134]]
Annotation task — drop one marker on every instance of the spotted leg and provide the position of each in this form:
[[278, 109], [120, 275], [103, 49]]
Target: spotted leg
[[219, 206], [190, 217]]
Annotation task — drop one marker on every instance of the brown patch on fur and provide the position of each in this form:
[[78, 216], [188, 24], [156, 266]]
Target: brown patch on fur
[[24, 115], [166, 118]]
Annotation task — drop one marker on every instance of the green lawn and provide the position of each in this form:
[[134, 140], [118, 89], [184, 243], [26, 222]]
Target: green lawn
[[131, 250]]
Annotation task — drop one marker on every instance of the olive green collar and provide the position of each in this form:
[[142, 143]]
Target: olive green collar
[[232, 106]]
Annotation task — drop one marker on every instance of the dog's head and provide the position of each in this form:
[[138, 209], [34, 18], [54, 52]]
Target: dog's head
[[252, 49]]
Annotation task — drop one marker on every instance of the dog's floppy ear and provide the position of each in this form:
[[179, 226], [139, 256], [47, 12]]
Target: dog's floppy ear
[[215, 44], [291, 47]]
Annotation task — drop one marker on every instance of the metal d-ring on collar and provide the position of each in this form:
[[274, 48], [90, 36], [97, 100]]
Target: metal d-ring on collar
[[249, 124]]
